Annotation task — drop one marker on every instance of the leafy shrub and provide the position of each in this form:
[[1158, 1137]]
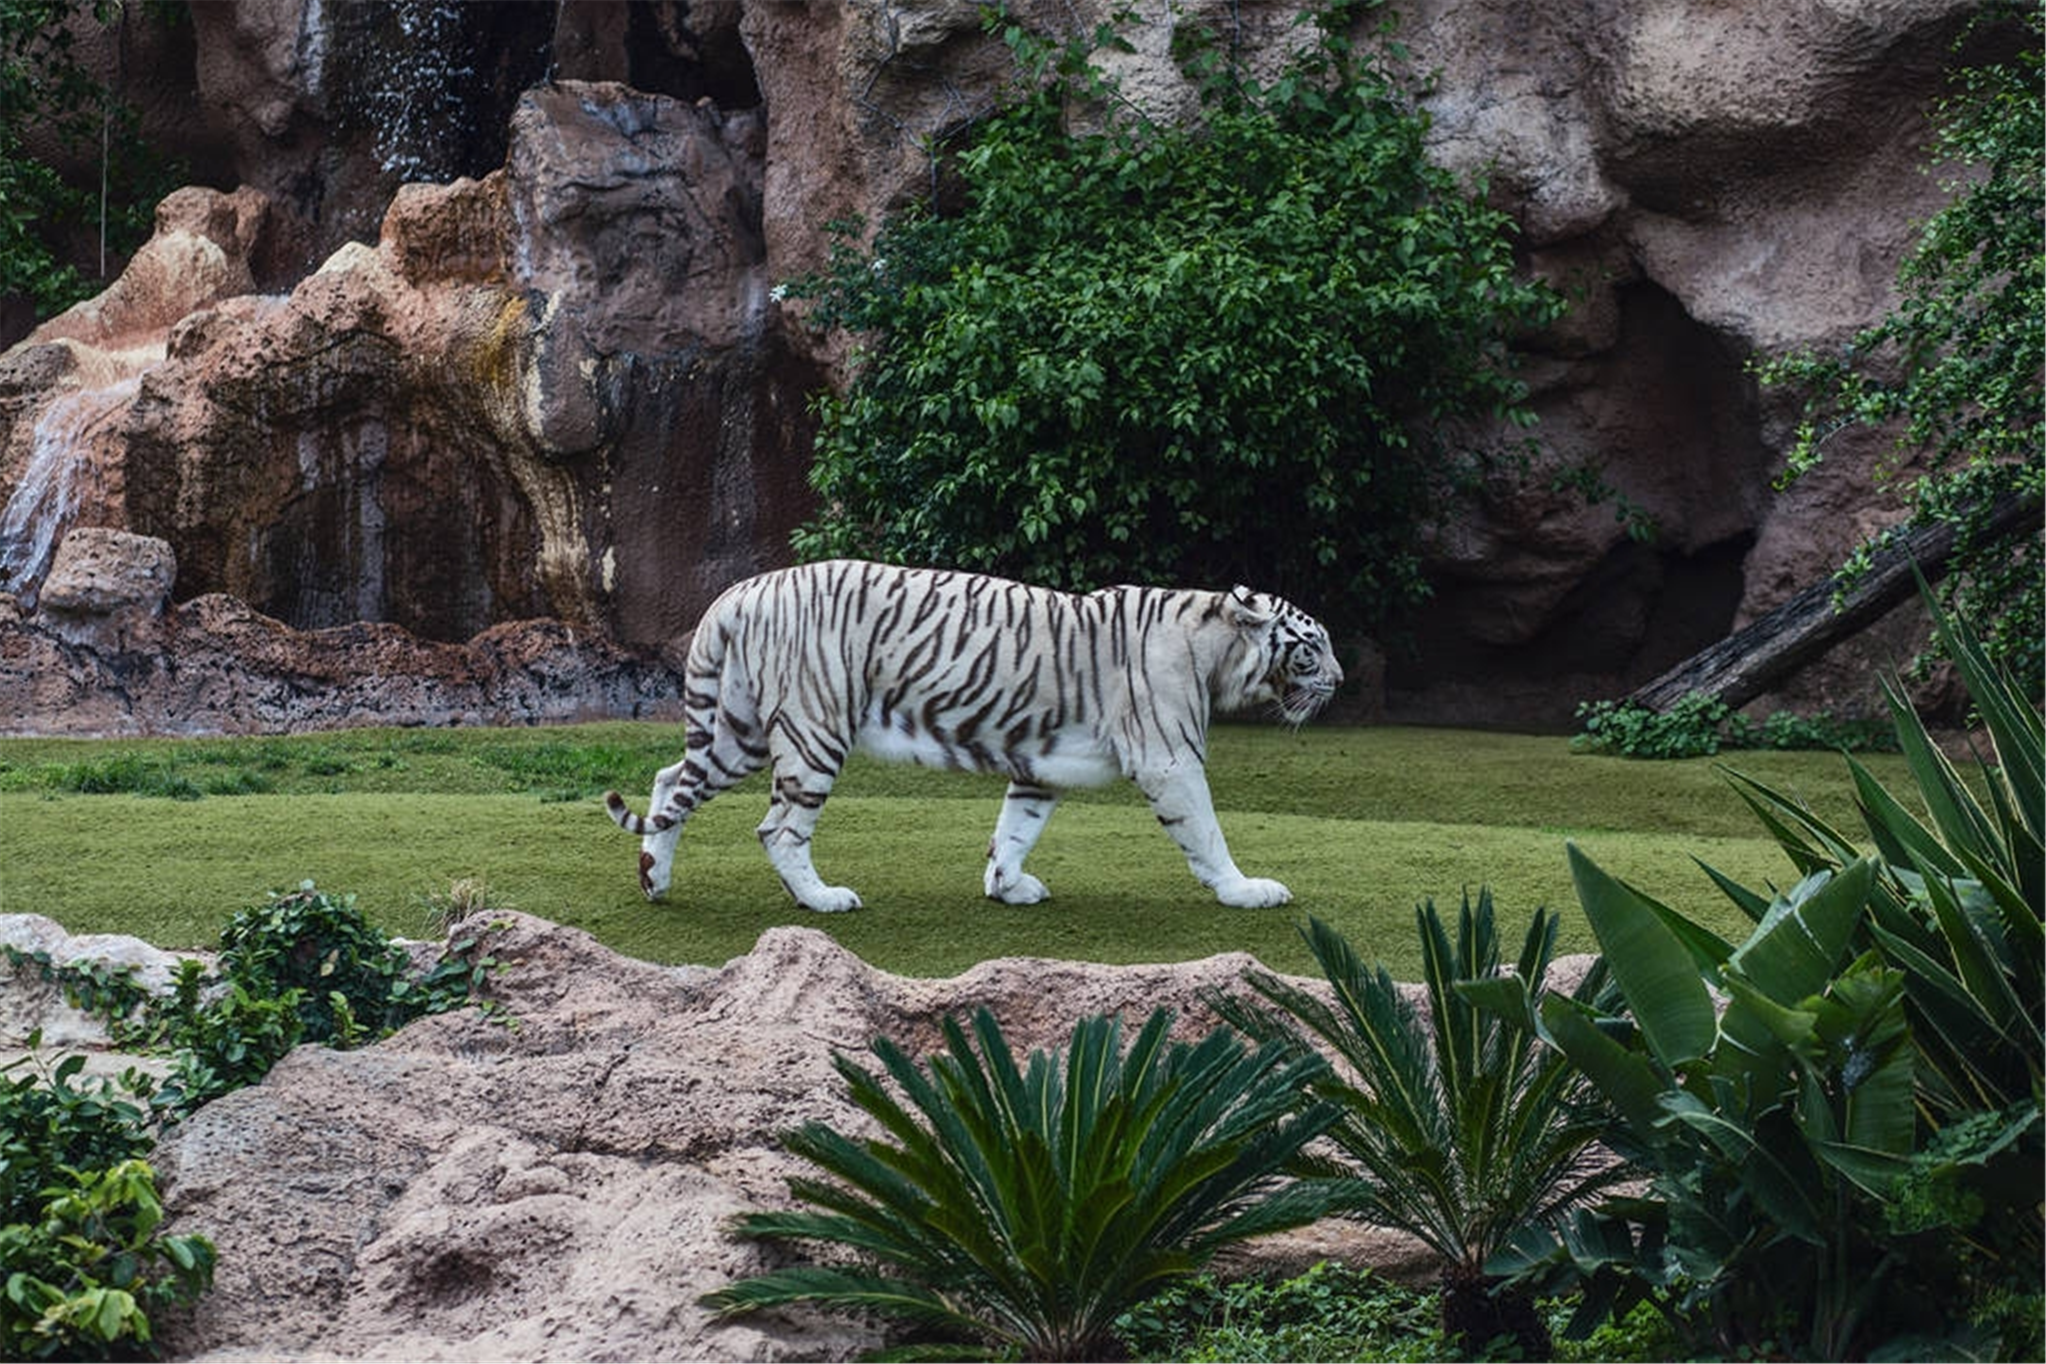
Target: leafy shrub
[[50, 1120], [1334, 1312], [83, 1263], [1331, 1312], [1958, 910], [344, 975], [1850, 1157], [1021, 1210], [1762, 1125], [303, 966], [1464, 1128], [1699, 725], [84, 1275], [1234, 350], [230, 1043]]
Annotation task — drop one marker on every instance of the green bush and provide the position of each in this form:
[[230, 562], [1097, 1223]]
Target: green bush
[[1334, 1312], [1019, 1211], [1850, 1156], [1699, 725], [85, 1274], [1764, 1127], [1233, 350], [82, 1259]]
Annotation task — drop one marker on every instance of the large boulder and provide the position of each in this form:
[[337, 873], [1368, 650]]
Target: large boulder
[[552, 1180]]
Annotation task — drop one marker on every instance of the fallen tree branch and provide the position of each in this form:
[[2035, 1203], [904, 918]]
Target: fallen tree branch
[[1775, 645]]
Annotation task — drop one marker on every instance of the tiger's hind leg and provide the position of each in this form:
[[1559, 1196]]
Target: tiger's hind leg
[[1025, 810], [722, 748], [806, 765]]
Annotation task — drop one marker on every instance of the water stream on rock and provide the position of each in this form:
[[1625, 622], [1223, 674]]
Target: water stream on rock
[[46, 500]]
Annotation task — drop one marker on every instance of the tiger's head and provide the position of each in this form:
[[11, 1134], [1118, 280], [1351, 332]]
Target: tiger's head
[[1288, 660]]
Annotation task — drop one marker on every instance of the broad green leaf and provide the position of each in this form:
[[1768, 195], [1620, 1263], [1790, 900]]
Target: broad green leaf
[[1654, 968]]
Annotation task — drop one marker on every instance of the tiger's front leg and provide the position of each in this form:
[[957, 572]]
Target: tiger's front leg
[[1179, 797]]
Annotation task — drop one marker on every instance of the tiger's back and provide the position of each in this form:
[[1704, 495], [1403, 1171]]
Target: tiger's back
[[797, 666]]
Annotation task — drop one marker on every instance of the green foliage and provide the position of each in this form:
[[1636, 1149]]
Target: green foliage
[[1334, 1312], [1769, 1129], [1234, 350], [51, 1120], [85, 1273], [79, 1249], [230, 1043], [317, 950], [1699, 725], [1958, 910], [108, 992], [1022, 1209], [44, 86], [1958, 362], [1463, 1127], [1331, 1312]]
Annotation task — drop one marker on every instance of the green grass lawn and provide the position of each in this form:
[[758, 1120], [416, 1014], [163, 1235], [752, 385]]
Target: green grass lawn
[[1361, 823]]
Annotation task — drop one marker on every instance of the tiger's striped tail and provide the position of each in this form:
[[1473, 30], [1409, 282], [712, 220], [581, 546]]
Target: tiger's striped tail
[[623, 816]]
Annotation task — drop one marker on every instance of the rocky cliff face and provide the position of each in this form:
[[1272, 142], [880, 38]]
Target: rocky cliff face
[[465, 348]]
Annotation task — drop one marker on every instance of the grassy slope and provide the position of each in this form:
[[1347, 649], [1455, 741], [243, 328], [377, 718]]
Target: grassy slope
[[1360, 823]]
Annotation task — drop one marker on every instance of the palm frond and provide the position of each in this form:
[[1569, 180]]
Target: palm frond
[[1029, 1204]]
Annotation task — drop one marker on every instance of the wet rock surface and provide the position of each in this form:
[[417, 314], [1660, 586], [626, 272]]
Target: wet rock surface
[[526, 361]]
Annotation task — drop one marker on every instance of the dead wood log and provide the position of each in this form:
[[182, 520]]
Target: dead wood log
[[1776, 644]]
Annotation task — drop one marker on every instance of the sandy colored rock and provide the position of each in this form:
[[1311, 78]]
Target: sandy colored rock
[[557, 1187]]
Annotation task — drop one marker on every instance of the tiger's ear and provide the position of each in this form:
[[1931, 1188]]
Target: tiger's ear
[[1249, 609]]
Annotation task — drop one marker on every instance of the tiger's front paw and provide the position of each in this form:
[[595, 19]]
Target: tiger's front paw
[[832, 900], [1251, 892], [1016, 888]]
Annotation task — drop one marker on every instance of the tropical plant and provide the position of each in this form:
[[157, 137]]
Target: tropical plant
[[1957, 363], [1769, 1129], [1232, 350], [1020, 1210], [1336, 1312], [1463, 1127], [1958, 909]]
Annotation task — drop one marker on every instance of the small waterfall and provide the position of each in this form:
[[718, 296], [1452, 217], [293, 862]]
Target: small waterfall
[[46, 500]]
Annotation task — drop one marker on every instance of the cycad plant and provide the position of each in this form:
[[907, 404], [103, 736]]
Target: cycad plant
[[1463, 1127], [1010, 1210]]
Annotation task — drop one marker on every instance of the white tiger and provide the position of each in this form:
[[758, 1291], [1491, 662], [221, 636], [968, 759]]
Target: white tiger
[[962, 670]]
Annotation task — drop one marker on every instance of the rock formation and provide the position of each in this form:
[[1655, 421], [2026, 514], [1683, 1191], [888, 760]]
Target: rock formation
[[109, 655], [552, 1183], [555, 382]]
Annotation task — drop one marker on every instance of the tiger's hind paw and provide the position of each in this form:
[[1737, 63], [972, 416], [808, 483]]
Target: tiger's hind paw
[[832, 900]]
